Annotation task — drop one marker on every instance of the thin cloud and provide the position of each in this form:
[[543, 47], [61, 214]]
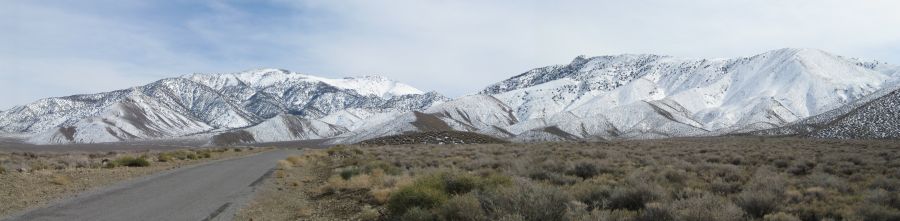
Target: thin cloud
[[454, 47]]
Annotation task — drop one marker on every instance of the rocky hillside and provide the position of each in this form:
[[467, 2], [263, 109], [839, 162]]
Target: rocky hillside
[[203, 103], [437, 137], [653, 96]]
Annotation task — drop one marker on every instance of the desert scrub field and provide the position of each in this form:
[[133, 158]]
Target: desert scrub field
[[33, 179], [674, 179]]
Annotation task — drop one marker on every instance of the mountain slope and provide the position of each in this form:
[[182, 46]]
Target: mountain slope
[[282, 127], [719, 96], [653, 96], [794, 91], [203, 103], [872, 117]]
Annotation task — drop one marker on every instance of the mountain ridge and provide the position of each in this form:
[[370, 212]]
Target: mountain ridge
[[629, 96]]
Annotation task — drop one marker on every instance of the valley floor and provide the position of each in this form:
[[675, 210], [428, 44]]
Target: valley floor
[[728, 178], [33, 179]]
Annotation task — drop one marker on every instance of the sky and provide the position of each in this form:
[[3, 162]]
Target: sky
[[59, 48]]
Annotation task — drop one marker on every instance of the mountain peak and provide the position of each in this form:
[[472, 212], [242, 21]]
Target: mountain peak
[[798, 53]]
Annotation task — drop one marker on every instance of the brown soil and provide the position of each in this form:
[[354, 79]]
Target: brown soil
[[441, 137]]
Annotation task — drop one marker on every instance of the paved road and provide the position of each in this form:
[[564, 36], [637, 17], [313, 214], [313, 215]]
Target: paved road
[[212, 191]]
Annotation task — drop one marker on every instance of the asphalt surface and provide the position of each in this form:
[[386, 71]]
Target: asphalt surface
[[211, 191]]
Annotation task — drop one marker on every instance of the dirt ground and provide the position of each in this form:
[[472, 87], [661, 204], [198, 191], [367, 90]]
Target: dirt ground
[[34, 179]]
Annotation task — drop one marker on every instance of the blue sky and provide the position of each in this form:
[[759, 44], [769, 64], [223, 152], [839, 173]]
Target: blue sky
[[58, 48]]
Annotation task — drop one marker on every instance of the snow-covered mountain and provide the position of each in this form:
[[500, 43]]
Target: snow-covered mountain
[[871, 117], [592, 98], [652, 96], [284, 127], [205, 103]]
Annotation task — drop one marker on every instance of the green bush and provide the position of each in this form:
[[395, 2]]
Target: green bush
[[531, 202], [758, 203], [592, 195], [416, 214], [388, 168], [878, 213], [463, 208], [414, 196], [349, 172], [656, 212], [164, 157], [459, 183], [585, 170], [2, 170], [433, 190], [706, 208], [131, 162], [552, 177], [780, 216], [204, 154], [632, 197]]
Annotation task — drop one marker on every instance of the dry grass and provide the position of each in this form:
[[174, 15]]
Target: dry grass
[[673, 179], [61, 180]]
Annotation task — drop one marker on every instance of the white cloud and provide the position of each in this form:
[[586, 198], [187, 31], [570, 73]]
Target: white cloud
[[460, 46], [454, 47]]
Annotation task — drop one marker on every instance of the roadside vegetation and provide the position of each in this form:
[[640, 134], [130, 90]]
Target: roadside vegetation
[[716, 179], [32, 179]]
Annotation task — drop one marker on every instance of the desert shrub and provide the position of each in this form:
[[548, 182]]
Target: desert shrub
[[707, 207], [674, 176], [758, 203], [780, 216], [526, 200], [343, 151], [238, 150], [2, 169], [827, 180], [817, 210], [433, 190], [349, 172], [284, 164], [511, 217], [585, 170], [763, 194], [388, 168], [552, 177], [724, 187], [877, 213], [204, 154], [415, 196], [192, 156], [632, 197], [368, 214], [459, 183], [781, 163], [656, 212], [885, 183], [164, 157], [801, 168], [883, 198], [464, 207], [131, 162], [39, 165], [60, 180], [296, 160], [591, 194], [180, 155], [416, 214]]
